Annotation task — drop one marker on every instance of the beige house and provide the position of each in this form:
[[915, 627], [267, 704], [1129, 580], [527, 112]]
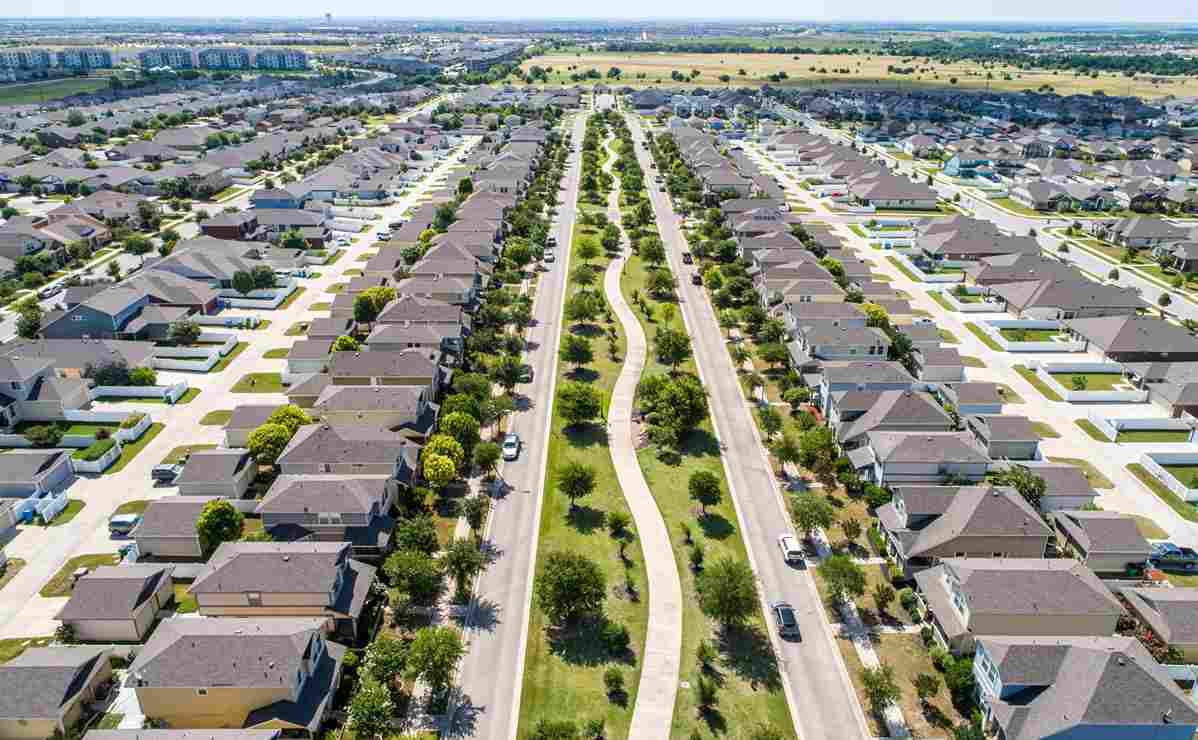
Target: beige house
[[401, 408], [274, 673], [118, 603], [168, 528], [969, 598], [1169, 613], [217, 473], [44, 690], [1106, 541]]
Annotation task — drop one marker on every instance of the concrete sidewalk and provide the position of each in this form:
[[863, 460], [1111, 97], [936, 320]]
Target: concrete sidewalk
[[654, 710]]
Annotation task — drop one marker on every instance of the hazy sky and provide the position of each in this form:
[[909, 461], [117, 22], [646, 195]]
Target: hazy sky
[[997, 10]]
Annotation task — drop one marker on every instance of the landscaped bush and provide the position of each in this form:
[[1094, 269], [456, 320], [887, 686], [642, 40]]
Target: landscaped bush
[[143, 376], [44, 435], [132, 420], [97, 450]]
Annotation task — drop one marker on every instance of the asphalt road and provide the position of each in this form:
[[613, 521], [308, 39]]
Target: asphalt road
[[493, 668], [818, 688]]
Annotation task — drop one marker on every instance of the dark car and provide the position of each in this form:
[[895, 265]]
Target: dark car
[[696, 279], [1168, 556], [526, 373], [786, 619], [688, 258]]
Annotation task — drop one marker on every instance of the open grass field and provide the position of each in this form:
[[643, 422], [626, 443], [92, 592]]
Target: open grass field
[[38, 92], [649, 69]]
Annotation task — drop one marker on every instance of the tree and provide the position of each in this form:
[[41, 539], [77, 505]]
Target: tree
[[584, 306], [184, 332], [926, 686], [681, 406], [555, 729], [268, 441], [371, 302], [414, 573], [44, 435], [851, 528], [880, 687], [1022, 479], [439, 470], [727, 591], [705, 694], [773, 353], [465, 187], [263, 277], [844, 578], [1163, 300], [475, 510], [463, 561], [371, 709], [660, 283], [138, 244], [570, 586], [883, 594], [346, 343], [587, 250], [29, 320], [576, 481], [433, 655], [576, 351], [578, 403], [817, 448], [464, 428], [418, 533], [385, 659], [672, 347], [786, 449], [290, 416], [219, 521], [507, 371], [704, 487], [243, 282], [652, 251], [810, 512], [611, 237], [771, 420]]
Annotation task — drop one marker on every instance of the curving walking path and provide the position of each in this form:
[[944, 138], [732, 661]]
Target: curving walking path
[[654, 710]]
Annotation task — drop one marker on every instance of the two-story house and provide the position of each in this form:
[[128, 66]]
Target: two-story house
[[897, 458], [969, 598], [873, 375], [924, 524], [831, 340], [350, 449], [272, 673], [328, 508], [289, 579], [857, 413]]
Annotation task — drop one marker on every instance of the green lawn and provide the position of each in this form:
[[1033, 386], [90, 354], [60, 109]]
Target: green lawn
[[259, 383], [263, 324], [137, 506], [1097, 479], [563, 670], [321, 306], [109, 721], [1094, 381], [1184, 508], [336, 288], [938, 297], [291, 299], [983, 337], [1153, 435], [968, 361], [14, 646], [1019, 208], [216, 418], [1149, 529], [1045, 430], [188, 396], [1029, 335], [1030, 376], [185, 603], [1008, 394], [1185, 474], [224, 361], [182, 451], [948, 337], [1088, 427], [278, 353], [129, 451], [60, 583], [298, 329], [41, 92], [74, 506], [903, 269]]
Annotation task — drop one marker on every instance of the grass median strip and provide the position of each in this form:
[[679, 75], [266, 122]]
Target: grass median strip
[[259, 383], [130, 450], [216, 418], [939, 298], [983, 337], [1186, 510], [903, 269], [1030, 376], [1091, 431]]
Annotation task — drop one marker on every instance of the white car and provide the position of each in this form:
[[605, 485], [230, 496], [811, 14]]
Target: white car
[[511, 446], [791, 552], [549, 257]]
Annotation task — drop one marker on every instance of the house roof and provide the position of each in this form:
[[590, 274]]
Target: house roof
[[1119, 334], [250, 416], [1061, 479], [346, 443], [1083, 685], [976, 392], [315, 493], [172, 516], [407, 363], [172, 734], [1027, 586], [113, 592], [980, 511], [24, 466], [38, 682], [922, 447], [1002, 428], [1098, 532], [401, 399], [898, 410], [213, 466], [272, 567], [1068, 294], [1172, 613]]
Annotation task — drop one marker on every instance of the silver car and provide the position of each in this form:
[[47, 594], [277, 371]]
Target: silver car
[[511, 446]]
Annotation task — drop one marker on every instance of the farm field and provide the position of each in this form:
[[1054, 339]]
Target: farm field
[[862, 69]]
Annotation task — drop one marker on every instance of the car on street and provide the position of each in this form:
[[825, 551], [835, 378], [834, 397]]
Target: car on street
[[1168, 556], [550, 242], [526, 373], [50, 292], [688, 258], [166, 473], [343, 242], [549, 257], [383, 236], [395, 224], [696, 279], [786, 619], [122, 524], [791, 551], [511, 446]]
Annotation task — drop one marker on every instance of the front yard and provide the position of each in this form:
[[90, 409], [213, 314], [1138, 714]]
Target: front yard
[[62, 583], [259, 383], [1091, 381]]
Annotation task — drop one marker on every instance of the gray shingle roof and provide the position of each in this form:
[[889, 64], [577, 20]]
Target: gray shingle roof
[[172, 516], [113, 592], [274, 567], [213, 466], [307, 493], [1100, 532], [38, 682]]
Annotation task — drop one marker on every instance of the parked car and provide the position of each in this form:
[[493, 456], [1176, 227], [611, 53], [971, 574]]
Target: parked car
[[343, 242], [550, 242], [786, 619], [383, 236], [50, 291], [688, 258], [526, 373], [511, 446], [696, 279], [122, 524], [1168, 556], [549, 257], [166, 472], [791, 551], [395, 224]]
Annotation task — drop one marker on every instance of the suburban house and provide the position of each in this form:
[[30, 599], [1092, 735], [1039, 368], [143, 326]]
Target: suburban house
[[118, 603], [277, 673], [971, 598], [354, 449], [167, 530], [244, 419], [854, 414], [1169, 613], [897, 458], [1066, 486], [1127, 338], [1034, 687], [938, 364], [830, 340], [400, 408], [44, 690], [1139, 232], [35, 473], [218, 472], [1173, 386], [1071, 298], [875, 375], [1016, 268], [1106, 541], [972, 397], [924, 524], [289, 579], [1008, 437], [326, 508], [409, 367]]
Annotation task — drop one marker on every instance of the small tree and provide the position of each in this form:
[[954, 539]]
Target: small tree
[[851, 529], [463, 561], [810, 512], [268, 441], [138, 244], [576, 350], [44, 435], [29, 320], [727, 591], [844, 578], [371, 709], [578, 403], [570, 586], [243, 282], [704, 487], [486, 457], [414, 573], [184, 332], [883, 594], [290, 416], [926, 686], [475, 510], [464, 428], [218, 522], [576, 481], [433, 655], [439, 470], [346, 343], [672, 347], [880, 687]]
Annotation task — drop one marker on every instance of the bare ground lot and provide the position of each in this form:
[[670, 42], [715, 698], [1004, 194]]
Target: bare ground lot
[[863, 69]]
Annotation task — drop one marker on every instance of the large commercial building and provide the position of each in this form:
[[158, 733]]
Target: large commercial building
[[225, 57], [85, 58], [174, 57], [281, 59]]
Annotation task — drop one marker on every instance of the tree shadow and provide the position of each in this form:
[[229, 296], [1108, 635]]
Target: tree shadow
[[716, 526], [586, 435], [583, 374], [464, 721], [582, 643], [714, 719], [586, 519], [698, 443], [748, 653], [588, 330], [485, 614]]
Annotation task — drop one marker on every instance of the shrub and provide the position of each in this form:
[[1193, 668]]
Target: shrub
[[44, 435], [613, 681], [95, 451], [132, 420], [926, 634], [103, 433], [616, 637], [941, 658]]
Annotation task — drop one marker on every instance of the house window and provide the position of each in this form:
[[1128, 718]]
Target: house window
[[254, 597], [326, 467], [328, 517], [201, 692], [999, 554]]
